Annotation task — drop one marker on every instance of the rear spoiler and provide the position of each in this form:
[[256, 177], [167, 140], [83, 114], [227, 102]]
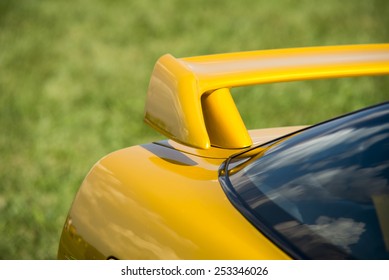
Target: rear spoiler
[[189, 99]]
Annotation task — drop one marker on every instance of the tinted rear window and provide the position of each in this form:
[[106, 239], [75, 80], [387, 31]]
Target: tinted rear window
[[322, 193]]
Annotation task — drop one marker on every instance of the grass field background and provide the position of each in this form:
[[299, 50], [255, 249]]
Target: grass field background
[[74, 75]]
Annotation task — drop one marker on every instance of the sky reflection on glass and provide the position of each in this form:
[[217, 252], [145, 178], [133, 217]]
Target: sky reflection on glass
[[325, 179]]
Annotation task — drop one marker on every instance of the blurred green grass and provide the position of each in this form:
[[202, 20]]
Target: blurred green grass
[[73, 79]]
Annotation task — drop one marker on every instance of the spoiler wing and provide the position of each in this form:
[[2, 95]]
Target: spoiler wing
[[189, 100]]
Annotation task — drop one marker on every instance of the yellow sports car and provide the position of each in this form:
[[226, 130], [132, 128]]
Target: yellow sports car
[[215, 190]]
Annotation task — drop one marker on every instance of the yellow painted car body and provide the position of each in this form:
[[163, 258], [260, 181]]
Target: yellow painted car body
[[163, 200]]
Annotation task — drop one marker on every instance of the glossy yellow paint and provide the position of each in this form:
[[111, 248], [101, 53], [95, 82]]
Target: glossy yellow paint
[[224, 125], [157, 202], [163, 200], [259, 136], [177, 103]]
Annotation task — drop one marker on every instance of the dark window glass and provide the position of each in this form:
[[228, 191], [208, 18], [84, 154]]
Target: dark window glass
[[324, 192]]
